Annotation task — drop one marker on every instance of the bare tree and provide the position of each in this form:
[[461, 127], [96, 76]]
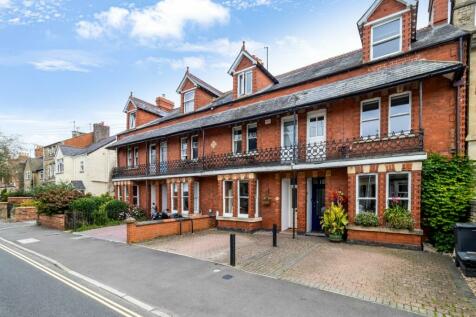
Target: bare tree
[[9, 151]]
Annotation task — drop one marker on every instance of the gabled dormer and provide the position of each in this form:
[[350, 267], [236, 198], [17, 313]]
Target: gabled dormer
[[139, 112], [195, 93], [249, 74], [388, 28]]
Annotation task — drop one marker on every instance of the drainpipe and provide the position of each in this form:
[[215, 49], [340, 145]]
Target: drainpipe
[[203, 146], [294, 180], [420, 113], [458, 91]]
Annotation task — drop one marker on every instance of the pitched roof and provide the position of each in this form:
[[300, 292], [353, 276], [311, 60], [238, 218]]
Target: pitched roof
[[199, 83], [36, 164], [376, 4], [378, 79], [244, 53], [144, 105], [71, 151]]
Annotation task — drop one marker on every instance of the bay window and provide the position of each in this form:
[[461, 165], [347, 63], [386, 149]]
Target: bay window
[[367, 193], [399, 114], [370, 118], [185, 197], [398, 190], [386, 38], [227, 198], [243, 201]]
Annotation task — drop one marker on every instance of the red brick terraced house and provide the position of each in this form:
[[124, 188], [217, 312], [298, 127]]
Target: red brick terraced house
[[281, 145]]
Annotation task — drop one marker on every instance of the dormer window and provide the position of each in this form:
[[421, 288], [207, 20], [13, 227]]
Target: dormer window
[[132, 120], [245, 80], [189, 101], [386, 38]]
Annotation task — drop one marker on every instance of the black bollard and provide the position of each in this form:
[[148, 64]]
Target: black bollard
[[275, 235], [232, 249]]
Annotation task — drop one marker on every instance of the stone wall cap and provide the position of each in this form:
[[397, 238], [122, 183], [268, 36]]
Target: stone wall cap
[[130, 220], [418, 232], [238, 219]]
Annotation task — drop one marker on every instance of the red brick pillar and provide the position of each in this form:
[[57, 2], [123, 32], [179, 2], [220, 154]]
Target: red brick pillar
[[191, 207], [235, 198], [301, 202], [351, 194], [131, 225], [220, 195], [252, 197], [416, 198]]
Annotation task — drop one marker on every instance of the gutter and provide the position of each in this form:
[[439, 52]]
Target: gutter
[[452, 68]]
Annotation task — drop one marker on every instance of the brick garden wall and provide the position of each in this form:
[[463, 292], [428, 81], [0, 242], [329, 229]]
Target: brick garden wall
[[19, 200], [3, 211], [25, 213], [148, 230], [54, 221]]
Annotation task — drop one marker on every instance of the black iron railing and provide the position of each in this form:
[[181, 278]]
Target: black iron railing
[[332, 150]]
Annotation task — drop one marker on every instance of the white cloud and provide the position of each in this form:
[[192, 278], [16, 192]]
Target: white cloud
[[30, 11], [246, 4], [4, 3], [63, 60], [164, 20], [194, 62]]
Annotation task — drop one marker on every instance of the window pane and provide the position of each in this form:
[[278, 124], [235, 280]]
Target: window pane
[[400, 105], [400, 124], [368, 205], [367, 188], [228, 197], [397, 186], [370, 110], [252, 138], [370, 128], [386, 30], [320, 126], [248, 82], [386, 48], [244, 198], [288, 133]]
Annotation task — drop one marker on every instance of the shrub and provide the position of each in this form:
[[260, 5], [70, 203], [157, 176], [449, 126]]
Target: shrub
[[134, 212], [100, 217], [114, 208], [397, 217], [335, 219], [3, 195], [366, 219], [447, 191], [56, 199], [86, 205]]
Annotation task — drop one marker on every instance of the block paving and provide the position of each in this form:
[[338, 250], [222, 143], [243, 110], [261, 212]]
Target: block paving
[[421, 282]]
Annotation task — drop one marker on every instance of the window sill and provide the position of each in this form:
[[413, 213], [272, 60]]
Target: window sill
[[224, 218], [397, 136]]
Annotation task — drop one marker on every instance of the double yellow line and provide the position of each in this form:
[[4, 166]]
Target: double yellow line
[[80, 288]]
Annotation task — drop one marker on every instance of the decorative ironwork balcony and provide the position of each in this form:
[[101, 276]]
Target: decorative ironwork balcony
[[332, 150]]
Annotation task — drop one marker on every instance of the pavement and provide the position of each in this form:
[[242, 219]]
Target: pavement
[[183, 286], [422, 282], [112, 233]]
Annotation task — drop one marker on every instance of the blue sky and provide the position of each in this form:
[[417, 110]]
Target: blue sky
[[63, 60]]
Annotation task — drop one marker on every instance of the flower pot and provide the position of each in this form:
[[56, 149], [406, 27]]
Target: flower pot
[[335, 237]]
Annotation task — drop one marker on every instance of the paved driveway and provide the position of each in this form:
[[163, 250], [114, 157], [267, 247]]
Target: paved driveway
[[422, 282], [113, 233]]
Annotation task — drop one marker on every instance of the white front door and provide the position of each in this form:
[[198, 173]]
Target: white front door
[[286, 204], [316, 135], [153, 197], [163, 196]]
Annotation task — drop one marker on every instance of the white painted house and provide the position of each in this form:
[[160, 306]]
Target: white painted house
[[87, 169]]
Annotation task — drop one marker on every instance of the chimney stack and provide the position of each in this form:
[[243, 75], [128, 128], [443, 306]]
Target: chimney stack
[[164, 104], [100, 132], [439, 12], [38, 151]]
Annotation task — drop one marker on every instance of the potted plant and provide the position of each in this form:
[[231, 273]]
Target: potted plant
[[334, 222]]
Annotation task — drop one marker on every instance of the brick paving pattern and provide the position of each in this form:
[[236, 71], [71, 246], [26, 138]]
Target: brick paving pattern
[[421, 282]]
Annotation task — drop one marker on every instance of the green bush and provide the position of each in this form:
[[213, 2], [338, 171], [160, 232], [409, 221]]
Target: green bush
[[397, 217], [114, 208], [100, 217], [366, 219], [447, 191], [4, 195], [55, 199], [86, 205], [335, 219], [134, 212]]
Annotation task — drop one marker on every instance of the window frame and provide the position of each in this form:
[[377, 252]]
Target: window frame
[[193, 158], [230, 214], [234, 149], [409, 93], [174, 208], [59, 166], [296, 129], [126, 194], [119, 192], [132, 119], [248, 126], [135, 157], [196, 197], [400, 36], [242, 81], [240, 215], [81, 167], [357, 197], [184, 152], [130, 157], [189, 101], [185, 211], [366, 101], [387, 191], [136, 197]]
